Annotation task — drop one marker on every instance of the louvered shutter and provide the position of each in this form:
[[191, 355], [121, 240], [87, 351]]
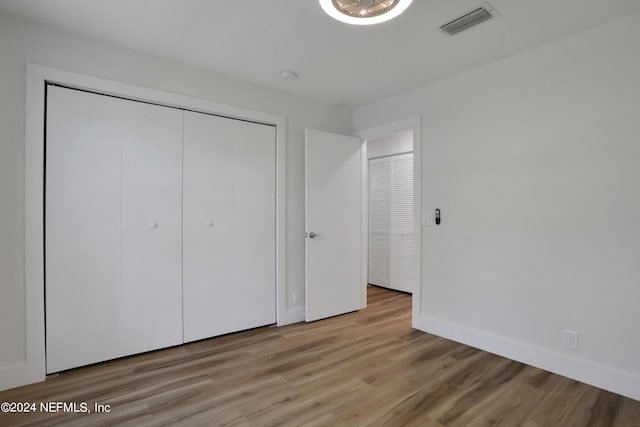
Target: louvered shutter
[[401, 251], [379, 221], [391, 222]]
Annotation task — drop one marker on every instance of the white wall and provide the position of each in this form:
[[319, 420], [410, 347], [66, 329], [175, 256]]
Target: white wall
[[395, 143], [22, 41], [535, 164]]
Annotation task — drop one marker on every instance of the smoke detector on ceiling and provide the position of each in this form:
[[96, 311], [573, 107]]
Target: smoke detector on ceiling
[[289, 75], [364, 12], [469, 19]]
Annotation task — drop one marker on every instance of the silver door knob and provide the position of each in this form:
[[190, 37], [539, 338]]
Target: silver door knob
[[313, 235], [153, 225]]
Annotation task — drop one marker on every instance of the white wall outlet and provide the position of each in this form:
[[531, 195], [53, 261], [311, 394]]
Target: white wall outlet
[[570, 339], [427, 220]]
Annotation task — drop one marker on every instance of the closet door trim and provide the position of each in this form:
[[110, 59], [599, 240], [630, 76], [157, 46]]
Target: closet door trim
[[32, 369]]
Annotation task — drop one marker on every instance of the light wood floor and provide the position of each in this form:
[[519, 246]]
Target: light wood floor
[[364, 368]]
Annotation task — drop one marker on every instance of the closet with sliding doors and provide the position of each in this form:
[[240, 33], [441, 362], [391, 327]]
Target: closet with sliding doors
[[159, 227]]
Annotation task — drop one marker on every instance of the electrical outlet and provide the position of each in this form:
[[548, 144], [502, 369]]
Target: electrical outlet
[[570, 339]]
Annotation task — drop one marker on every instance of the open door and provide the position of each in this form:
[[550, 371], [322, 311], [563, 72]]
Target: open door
[[333, 196]]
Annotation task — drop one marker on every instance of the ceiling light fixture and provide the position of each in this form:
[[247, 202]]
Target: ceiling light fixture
[[364, 12]]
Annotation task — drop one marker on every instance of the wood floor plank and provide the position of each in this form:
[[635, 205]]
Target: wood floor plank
[[566, 406], [509, 406], [367, 368], [628, 414]]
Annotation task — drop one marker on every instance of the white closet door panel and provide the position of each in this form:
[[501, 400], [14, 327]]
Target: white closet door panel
[[401, 262], [254, 219], [402, 223], [379, 195], [113, 283], [379, 258], [150, 310], [402, 193], [391, 222], [229, 225], [207, 216], [82, 220], [379, 221]]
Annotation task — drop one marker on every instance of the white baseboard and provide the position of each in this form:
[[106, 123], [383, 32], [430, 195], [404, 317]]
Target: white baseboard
[[601, 376], [292, 315], [17, 375]]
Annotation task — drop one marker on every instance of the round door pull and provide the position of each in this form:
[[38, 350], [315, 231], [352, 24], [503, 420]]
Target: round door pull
[[209, 224], [153, 225]]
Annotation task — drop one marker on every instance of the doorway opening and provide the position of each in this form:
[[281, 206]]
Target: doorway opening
[[391, 185], [337, 218], [390, 211]]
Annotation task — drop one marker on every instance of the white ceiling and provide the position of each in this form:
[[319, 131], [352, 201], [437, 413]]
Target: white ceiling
[[337, 63]]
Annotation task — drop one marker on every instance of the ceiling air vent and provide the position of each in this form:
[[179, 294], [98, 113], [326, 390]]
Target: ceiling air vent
[[469, 20]]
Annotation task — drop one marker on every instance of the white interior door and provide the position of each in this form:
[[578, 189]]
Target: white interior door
[[334, 283], [229, 225], [113, 228]]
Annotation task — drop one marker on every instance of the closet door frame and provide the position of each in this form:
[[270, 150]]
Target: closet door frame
[[37, 79]]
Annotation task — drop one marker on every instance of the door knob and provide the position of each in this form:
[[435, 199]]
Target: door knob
[[153, 225], [313, 235], [209, 224]]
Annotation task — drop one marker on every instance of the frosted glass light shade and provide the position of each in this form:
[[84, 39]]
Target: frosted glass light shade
[[364, 12]]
